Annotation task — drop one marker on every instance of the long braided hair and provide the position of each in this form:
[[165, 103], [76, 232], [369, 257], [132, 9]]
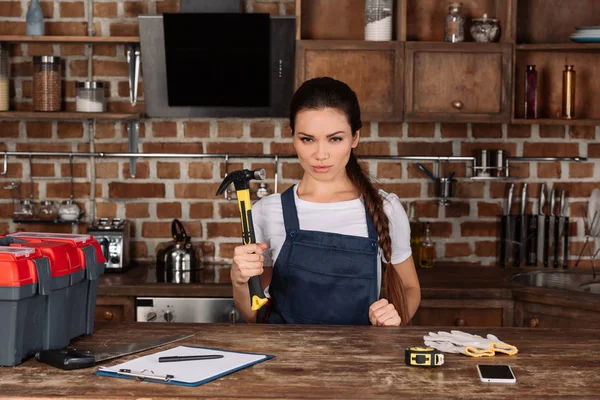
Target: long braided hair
[[320, 93]]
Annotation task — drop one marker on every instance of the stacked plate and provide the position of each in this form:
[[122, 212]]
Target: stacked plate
[[586, 34]]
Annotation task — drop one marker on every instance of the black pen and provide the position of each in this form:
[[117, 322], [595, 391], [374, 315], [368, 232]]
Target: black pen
[[189, 358]]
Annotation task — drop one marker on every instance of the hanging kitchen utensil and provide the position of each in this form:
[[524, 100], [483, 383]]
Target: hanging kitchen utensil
[[426, 171], [506, 241], [541, 226], [180, 261], [549, 239]]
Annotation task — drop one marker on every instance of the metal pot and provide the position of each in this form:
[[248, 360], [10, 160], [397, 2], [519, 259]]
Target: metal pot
[[179, 261]]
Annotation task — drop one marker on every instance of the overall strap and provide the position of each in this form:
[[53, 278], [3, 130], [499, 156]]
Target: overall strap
[[371, 225], [290, 214]]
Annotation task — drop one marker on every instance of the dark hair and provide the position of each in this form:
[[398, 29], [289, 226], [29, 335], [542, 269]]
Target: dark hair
[[320, 93]]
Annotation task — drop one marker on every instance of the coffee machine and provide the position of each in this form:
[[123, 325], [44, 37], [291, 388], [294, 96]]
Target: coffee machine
[[113, 237]]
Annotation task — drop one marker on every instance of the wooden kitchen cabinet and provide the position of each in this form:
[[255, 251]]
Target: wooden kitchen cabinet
[[114, 309], [464, 313], [467, 82], [372, 69], [537, 315]]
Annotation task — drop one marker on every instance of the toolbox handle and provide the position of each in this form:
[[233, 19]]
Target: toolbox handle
[[44, 276]]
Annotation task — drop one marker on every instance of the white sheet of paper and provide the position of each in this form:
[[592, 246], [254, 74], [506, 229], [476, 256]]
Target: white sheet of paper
[[188, 371]]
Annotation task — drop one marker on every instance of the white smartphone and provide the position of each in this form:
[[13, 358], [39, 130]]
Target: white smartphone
[[496, 373]]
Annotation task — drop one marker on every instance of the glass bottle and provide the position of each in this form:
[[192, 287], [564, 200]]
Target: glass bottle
[[415, 242], [4, 78], [378, 20], [454, 29], [427, 251], [34, 19], [568, 94], [531, 83]]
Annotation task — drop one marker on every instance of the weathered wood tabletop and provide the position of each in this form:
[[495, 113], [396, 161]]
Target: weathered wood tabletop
[[329, 362]]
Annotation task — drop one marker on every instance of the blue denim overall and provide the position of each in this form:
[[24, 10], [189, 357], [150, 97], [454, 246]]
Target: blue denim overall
[[321, 277]]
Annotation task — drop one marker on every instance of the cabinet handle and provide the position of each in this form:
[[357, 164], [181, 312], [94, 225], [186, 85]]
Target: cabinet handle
[[533, 322], [458, 104], [459, 322], [108, 315]]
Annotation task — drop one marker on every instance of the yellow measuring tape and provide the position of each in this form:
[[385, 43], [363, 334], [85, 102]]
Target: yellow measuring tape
[[420, 356]]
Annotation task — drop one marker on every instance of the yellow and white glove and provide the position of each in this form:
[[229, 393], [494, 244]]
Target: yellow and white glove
[[471, 345]]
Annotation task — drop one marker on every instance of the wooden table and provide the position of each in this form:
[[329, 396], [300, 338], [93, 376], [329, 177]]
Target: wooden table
[[329, 362]]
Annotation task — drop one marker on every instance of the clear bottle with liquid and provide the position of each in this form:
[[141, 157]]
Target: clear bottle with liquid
[[426, 249]]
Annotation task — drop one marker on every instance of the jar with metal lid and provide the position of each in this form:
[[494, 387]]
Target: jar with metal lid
[[26, 209], [4, 77], [48, 210], [46, 83], [90, 96], [69, 210]]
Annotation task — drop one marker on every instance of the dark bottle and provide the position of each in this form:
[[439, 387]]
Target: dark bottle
[[531, 83]]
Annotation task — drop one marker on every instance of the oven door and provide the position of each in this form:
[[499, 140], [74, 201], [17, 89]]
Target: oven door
[[186, 309]]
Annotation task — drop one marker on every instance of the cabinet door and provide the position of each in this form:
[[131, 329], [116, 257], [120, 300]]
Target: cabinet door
[[534, 315], [114, 309], [372, 69], [467, 82], [460, 313]]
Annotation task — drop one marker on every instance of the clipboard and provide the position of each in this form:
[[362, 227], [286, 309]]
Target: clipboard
[[184, 373]]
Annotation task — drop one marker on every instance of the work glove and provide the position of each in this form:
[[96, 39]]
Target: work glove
[[471, 345]]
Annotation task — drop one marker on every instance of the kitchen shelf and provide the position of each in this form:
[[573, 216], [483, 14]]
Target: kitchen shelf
[[559, 47], [66, 115], [494, 178], [556, 121], [47, 221], [69, 39]]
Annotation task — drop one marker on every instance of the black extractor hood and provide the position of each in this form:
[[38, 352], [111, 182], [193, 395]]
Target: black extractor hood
[[217, 64]]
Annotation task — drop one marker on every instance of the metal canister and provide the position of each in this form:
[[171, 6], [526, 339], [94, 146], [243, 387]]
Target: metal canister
[[482, 163], [499, 163]]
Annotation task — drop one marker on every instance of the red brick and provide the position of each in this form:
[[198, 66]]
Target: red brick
[[421, 129], [136, 190], [552, 131], [65, 28], [168, 6], [70, 130], [229, 210], [518, 131], [105, 10], [123, 89], [441, 229], [196, 129], [290, 8], [39, 49], [142, 170], [415, 172], [230, 167], [235, 148], [201, 210], [10, 9], [110, 50], [486, 249], [39, 130], [479, 228], [79, 170], [163, 229], [196, 190], [200, 170], [224, 275], [20, 69], [282, 148], [78, 68], [549, 170], [43, 170], [229, 129], [519, 169], [487, 131], [167, 170], [452, 130], [388, 170], [292, 170], [402, 190], [538, 149], [226, 249], [71, 9], [9, 129], [168, 210], [489, 209], [106, 210], [581, 170], [107, 170], [582, 132], [223, 229], [390, 129], [124, 29], [425, 148], [457, 250], [110, 68], [373, 149], [126, 107], [262, 130], [64, 147], [577, 189], [182, 148], [594, 150], [426, 208], [457, 209], [138, 250], [5, 210], [135, 8], [74, 50], [472, 190], [137, 210], [469, 149], [164, 129], [47, 8], [105, 130], [268, 167], [63, 189], [44, 228], [266, 8], [13, 170]]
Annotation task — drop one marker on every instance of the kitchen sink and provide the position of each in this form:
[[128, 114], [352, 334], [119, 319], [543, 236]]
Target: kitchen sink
[[578, 282]]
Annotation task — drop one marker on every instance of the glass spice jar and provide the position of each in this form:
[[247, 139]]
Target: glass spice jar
[[378, 20], [46, 83], [48, 210], [90, 96], [454, 28], [4, 77]]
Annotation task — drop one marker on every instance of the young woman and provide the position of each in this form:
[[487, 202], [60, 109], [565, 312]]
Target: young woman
[[326, 245]]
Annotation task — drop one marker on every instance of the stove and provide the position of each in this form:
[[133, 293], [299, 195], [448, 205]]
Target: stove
[[186, 309]]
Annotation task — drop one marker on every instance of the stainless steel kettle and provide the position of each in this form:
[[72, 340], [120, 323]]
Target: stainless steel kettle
[[180, 261]]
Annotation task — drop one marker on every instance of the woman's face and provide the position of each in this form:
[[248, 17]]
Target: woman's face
[[323, 141]]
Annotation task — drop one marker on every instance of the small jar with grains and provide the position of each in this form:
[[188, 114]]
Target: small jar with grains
[[90, 96], [46, 83]]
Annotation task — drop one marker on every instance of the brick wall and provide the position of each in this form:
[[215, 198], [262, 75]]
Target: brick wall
[[464, 232]]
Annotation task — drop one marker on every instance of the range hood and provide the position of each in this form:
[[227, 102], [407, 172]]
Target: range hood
[[217, 65]]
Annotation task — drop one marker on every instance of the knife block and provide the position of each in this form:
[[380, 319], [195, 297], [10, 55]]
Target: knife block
[[518, 241]]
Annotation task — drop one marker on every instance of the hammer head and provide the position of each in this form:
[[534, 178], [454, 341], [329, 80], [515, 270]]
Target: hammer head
[[241, 179]]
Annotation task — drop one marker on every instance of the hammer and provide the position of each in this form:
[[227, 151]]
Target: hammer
[[241, 181]]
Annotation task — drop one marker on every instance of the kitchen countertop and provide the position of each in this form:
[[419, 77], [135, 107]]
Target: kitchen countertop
[[329, 362], [441, 282]]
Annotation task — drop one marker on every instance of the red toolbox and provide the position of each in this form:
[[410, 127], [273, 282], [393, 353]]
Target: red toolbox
[[25, 288], [83, 285]]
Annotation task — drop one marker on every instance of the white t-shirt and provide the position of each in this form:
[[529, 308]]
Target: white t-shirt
[[344, 217]]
